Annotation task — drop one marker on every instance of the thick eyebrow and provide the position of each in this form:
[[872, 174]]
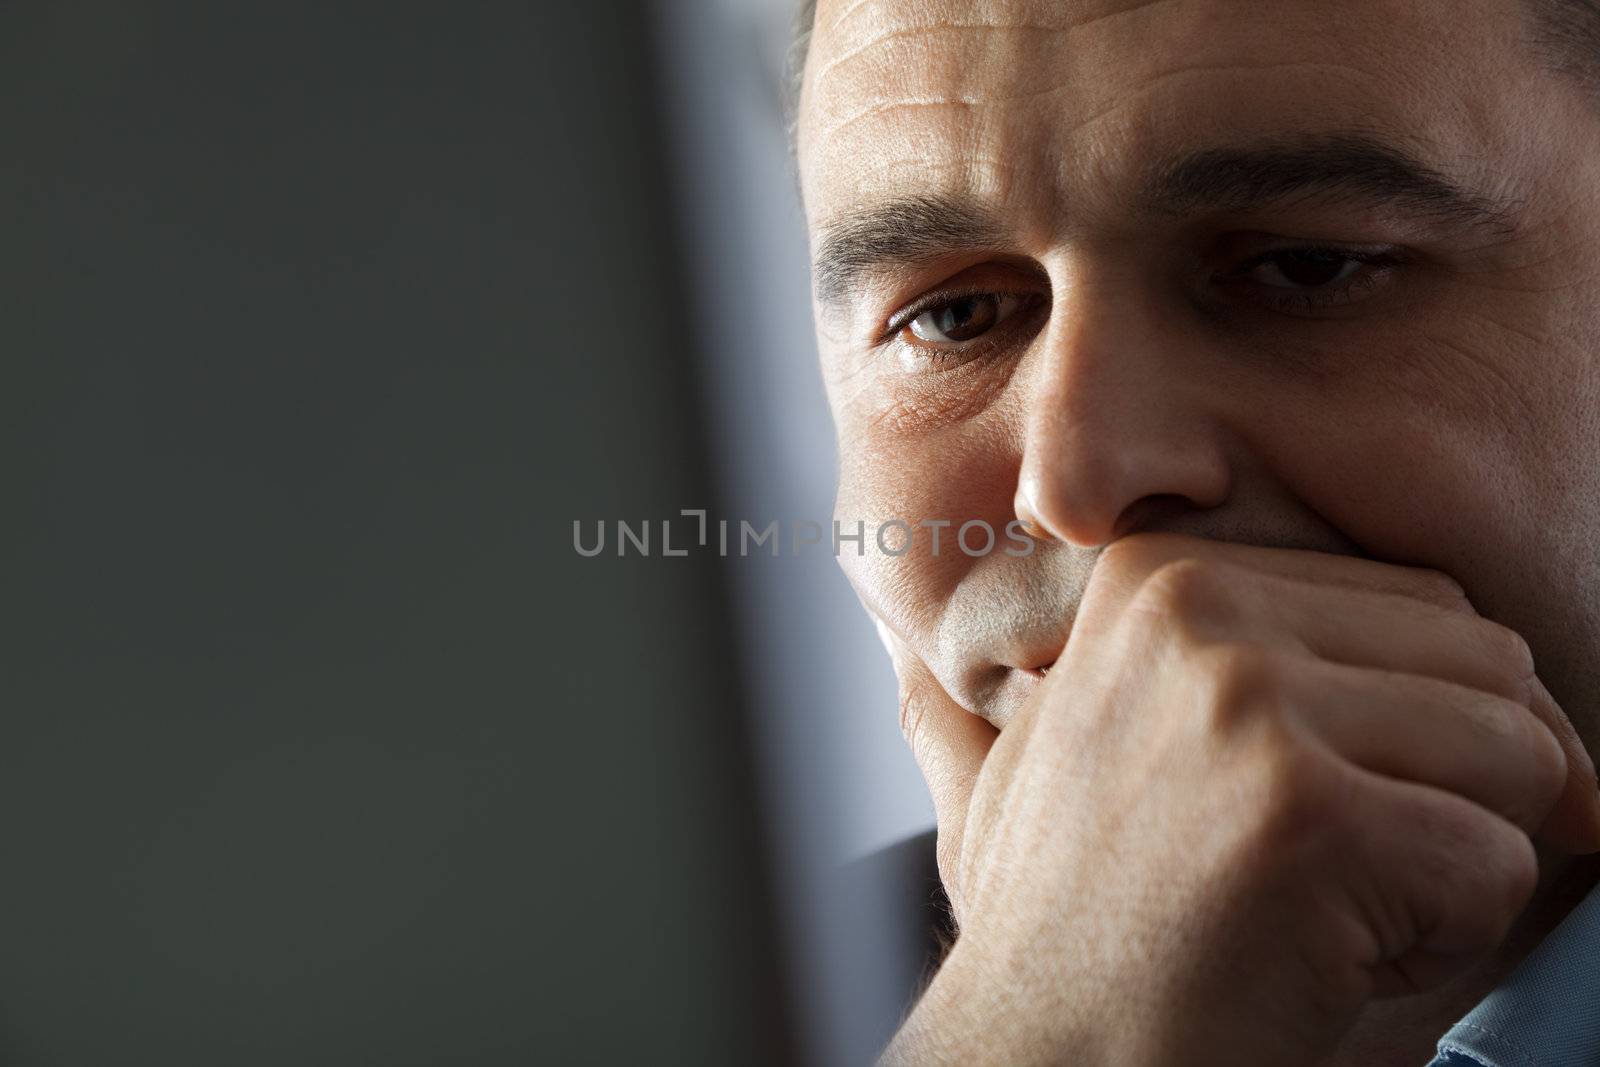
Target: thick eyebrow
[[908, 231], [1353, 167], [898, 233]]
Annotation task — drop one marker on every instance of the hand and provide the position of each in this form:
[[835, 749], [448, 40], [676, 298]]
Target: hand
[[1259, 788]]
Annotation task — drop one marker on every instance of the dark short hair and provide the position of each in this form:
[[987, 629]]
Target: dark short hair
[[1566, 33]]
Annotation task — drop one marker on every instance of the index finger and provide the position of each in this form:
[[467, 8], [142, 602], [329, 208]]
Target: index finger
[[949, 744]]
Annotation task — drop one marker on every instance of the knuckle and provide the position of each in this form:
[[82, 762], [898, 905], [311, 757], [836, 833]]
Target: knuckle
[[1438, 587], [1495, 721], [1186, 589], [1507, 655], [1285, 793], [1296, 797], [1519, 878], [1548, 767], [1243, 682], [1295, 811], [1136, 553], [1482, 898]]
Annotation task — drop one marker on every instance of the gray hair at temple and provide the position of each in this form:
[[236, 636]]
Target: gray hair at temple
[[795, 67], [1565, 32]]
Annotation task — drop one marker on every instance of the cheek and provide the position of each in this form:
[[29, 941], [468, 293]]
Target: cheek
[[1510, 517], [1445, 463], [1411, 494], [956, 475]]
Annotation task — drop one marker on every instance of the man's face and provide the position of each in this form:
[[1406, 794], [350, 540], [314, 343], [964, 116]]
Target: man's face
[[1312, 275]]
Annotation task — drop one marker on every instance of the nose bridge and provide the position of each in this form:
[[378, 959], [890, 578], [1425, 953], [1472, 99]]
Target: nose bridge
[[1119, 411]]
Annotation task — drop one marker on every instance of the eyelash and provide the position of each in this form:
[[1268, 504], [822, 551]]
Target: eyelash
[[957, 353], [1303, 301]]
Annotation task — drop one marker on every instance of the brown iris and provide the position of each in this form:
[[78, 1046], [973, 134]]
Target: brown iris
[[959, 320]]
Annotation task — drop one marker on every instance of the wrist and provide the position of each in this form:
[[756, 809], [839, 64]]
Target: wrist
[[980, 1011]]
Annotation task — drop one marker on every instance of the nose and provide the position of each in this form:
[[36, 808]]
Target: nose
[[1120, 423]]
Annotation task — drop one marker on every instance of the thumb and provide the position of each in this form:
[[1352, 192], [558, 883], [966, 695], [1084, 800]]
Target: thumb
[[949, 744]]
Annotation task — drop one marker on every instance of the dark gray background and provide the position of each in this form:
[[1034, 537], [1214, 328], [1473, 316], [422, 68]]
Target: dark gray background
[[319, 324]]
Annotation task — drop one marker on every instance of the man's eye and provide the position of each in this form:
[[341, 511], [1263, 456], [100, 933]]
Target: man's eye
[[963, 319], [1305, 280], [1308, 268]]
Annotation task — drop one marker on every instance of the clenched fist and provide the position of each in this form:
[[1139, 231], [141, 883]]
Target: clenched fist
[[1259, 788]]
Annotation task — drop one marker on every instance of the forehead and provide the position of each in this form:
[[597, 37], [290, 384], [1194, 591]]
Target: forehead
[[1038, 103]]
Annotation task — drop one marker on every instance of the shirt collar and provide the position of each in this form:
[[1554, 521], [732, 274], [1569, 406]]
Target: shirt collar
[[1547, 1014]]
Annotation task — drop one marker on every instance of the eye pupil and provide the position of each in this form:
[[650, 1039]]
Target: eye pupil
[[964, 319], [1311, 268]]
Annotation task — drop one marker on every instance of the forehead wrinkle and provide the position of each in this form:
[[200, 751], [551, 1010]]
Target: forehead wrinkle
[[943, 99], [981, 101], [1018, 11], [886, 107], [839, 19], [1156, 80], [1014, 21], [1101, 152], [1017, 20], [923, 72], [834, 62], [982, 177]]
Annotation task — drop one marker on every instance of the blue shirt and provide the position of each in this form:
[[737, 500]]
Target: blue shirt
[[1547, 1014]]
